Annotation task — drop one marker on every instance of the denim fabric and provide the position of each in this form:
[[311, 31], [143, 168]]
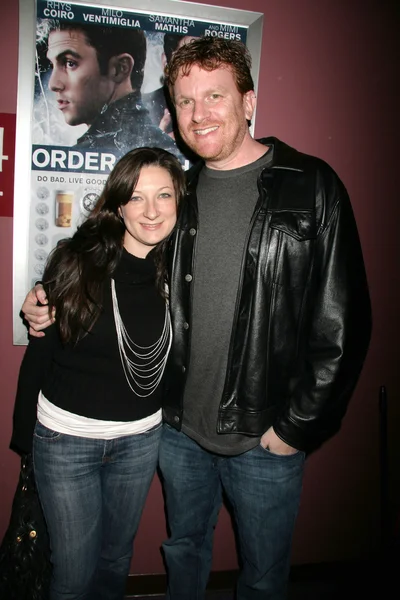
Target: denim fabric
[[92, 492], [264, 491]]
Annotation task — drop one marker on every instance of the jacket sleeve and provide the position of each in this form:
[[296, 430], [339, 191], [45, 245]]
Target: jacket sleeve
[[337, 333], [34, 367]]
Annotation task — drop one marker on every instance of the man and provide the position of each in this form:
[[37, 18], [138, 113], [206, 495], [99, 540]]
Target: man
[[271, 318], [97, 74]]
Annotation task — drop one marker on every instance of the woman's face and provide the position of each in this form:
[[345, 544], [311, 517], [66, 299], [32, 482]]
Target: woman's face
[[150, 214]]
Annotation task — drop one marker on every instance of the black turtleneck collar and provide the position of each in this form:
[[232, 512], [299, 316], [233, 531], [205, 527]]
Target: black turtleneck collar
[[132, 269]]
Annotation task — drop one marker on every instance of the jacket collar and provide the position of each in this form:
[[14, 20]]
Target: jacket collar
[[108, 122], [284, 157]]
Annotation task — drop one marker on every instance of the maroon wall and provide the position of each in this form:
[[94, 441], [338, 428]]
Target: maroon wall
[[327, 87]]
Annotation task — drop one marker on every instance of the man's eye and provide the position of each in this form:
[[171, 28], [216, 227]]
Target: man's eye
[[69, 63], [184, 103]]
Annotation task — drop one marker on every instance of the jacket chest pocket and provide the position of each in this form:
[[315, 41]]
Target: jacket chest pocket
[[291, 247]]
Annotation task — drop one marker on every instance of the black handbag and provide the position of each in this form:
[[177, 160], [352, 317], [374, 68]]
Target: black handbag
[[25, 569]]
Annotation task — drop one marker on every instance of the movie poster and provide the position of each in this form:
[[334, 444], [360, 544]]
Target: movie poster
[[97, 93]]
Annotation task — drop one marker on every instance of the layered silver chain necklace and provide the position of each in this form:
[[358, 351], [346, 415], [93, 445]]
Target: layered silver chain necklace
[[145, 366]]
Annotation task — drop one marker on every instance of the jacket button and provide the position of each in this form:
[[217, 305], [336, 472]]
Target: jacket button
[[188, 277], [186, 326], [176, 419], [183, 369], [192, 231]]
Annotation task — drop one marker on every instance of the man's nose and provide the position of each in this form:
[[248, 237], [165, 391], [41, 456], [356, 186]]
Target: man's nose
[[200, 111], [56, 83]]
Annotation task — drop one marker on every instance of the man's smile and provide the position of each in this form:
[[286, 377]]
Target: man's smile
[[205, 131]]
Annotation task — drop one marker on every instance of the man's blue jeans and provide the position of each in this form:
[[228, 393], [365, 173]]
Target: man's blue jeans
[[92, 492], [264, 491]]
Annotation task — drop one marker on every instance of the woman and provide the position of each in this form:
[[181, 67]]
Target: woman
[[97, 375]]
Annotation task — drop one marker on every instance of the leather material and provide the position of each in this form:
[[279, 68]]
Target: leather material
[[25, 568], [302, 321]]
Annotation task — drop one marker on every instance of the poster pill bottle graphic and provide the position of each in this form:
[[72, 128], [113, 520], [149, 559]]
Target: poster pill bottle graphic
[[64, 203]]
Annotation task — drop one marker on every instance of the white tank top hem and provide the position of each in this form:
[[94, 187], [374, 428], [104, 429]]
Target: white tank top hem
[[58, 419]]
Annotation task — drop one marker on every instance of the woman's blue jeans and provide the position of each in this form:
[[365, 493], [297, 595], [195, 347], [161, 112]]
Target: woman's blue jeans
[[264, 491], [92, 492]]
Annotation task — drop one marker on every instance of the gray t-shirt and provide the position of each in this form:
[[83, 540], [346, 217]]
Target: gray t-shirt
[[226, 201]]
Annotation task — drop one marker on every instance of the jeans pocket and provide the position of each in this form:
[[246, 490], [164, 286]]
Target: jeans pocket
[[282, 456], [44, 433]]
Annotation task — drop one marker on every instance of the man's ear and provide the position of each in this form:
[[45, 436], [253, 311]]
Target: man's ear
[[120, 67], [249, 102]]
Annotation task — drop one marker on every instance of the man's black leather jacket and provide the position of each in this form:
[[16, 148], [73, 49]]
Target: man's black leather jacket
[[302, 321]]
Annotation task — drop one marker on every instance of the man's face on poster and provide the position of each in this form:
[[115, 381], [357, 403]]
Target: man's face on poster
[[81, 90]]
